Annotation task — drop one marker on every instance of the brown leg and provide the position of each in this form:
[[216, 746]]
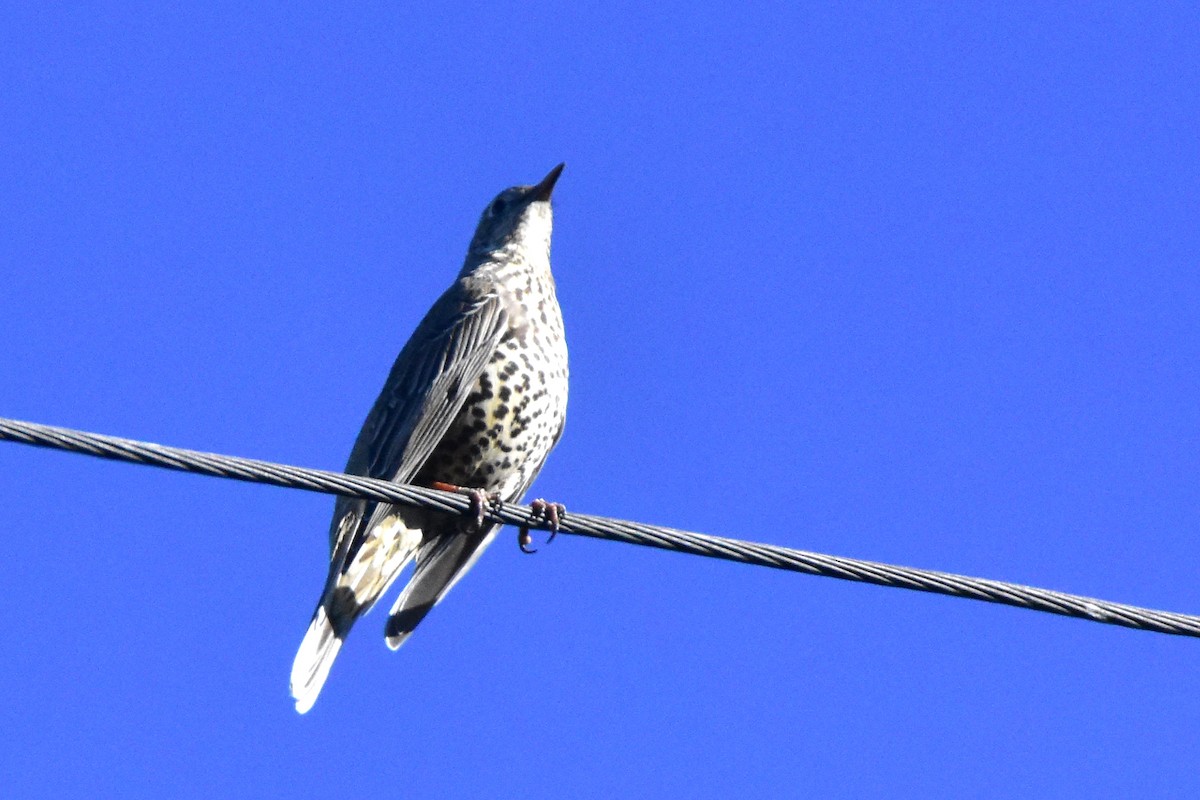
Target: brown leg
[[480, 501], [540, 509]]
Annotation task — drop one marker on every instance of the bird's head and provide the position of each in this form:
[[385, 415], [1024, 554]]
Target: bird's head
[[518, 219]]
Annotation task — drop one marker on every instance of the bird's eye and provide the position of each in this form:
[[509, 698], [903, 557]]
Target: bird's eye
[[498, 206]]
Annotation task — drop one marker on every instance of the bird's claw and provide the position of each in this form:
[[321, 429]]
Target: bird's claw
[[524, 540], [539, 509], [481, 501]]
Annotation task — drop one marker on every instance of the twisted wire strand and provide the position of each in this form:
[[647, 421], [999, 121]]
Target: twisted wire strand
[[764, 555]]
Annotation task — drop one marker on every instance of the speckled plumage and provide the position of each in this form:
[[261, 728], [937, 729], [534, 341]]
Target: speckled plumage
[[477, 398]]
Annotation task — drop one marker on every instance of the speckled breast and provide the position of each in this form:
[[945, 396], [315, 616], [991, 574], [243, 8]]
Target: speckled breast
[[515, 413]]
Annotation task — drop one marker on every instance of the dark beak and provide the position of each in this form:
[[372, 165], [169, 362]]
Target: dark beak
[[542, 190]]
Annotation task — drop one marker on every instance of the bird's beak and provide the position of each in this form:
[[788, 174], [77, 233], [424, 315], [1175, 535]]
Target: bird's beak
[[542, 190]]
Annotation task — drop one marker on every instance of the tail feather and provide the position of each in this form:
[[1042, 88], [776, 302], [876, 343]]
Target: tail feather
[[311, 667], [351, 591]]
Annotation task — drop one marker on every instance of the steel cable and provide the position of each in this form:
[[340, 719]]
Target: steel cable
[[765, 555]]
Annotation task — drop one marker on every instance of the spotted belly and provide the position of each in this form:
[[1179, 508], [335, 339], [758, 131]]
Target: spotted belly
[[506, 427]]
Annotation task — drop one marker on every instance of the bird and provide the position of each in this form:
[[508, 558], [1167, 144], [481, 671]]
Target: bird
[[474, 403]]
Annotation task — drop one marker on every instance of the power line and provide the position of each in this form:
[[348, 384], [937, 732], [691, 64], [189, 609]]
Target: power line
[[764, 555]]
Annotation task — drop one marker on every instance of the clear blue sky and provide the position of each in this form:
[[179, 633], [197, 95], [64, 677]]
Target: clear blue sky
[[906, 284]]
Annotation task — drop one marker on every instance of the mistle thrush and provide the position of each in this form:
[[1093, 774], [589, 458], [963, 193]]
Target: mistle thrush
[[476, 399]]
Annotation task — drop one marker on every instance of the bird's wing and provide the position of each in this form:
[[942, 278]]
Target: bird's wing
[[372, 542], [442, 560], [428, 384]]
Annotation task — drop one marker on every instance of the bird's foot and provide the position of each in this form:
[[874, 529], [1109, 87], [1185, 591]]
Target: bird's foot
[[539, 509], [481, 501]]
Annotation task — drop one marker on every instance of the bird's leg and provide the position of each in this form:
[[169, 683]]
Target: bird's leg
[[539, 509], [480, 501]]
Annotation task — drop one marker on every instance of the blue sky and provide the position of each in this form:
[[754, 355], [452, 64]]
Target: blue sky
[[896, 282]]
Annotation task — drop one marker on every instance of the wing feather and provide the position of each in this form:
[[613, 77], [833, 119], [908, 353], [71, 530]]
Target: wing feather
[[425, 390]]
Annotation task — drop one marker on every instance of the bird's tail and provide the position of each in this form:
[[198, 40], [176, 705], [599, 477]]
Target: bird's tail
[[354, 588], [311, 667]]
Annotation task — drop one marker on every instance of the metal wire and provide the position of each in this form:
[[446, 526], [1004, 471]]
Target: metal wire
[[764, 555]]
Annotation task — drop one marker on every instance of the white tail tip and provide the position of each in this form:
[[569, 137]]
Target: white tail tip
[[313, 661]]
